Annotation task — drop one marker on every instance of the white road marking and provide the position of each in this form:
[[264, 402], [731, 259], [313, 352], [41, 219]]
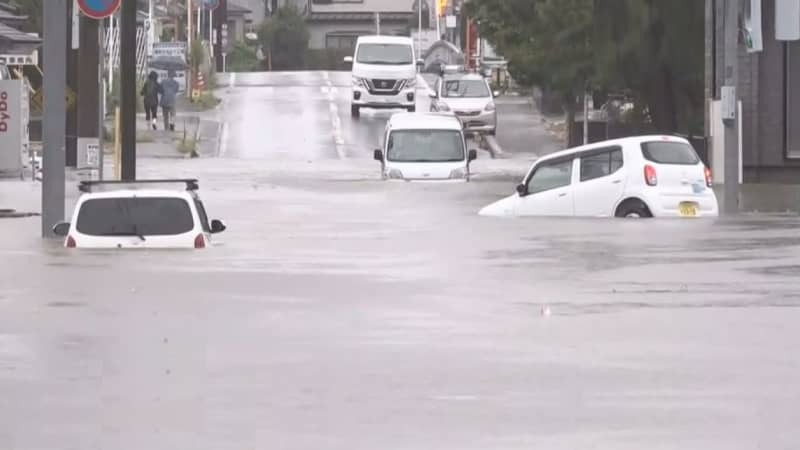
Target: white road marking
[[223, 147], [336, 124], [233, 79]]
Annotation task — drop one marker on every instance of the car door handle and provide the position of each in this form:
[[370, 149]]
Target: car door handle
[[564, 194], [616, 182]]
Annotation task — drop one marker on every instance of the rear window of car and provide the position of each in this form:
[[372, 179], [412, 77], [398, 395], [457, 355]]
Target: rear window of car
[[144, 216], [670, 153]]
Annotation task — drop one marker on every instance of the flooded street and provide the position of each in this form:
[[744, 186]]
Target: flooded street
[[340, 311]]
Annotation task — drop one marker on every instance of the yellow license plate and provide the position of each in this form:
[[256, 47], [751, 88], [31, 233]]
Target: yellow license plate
[[687, 209]]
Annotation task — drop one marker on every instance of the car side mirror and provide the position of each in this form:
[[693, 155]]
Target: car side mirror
[[496, 94], [420, 62], [472, 155], [218, 226], [378, 155], [348, 59], [433, 95], [522, 190], [61, 229]]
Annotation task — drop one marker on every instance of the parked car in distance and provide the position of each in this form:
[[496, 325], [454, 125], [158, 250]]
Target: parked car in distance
[[115, 214], [384, 73], [424, 146], [470, 98], [648, 176]]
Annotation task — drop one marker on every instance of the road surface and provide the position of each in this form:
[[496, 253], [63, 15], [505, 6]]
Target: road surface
[[343, 312]]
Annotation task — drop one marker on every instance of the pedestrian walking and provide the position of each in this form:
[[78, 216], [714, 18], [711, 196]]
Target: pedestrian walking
[[169, 92], [150, 91]]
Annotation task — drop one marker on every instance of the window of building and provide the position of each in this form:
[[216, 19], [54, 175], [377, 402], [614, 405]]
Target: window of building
[[793, 99], [341, 41]]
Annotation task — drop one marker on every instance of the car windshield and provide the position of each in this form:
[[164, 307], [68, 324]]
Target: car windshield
[[387, 54], [425, 146], [465, 89], [135, 216], [670, 153]]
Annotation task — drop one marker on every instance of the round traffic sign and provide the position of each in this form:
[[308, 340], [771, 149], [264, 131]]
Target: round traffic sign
[[98, 9], [210, 4]]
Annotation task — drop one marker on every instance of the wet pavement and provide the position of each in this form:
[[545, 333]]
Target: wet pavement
[[342, 312]]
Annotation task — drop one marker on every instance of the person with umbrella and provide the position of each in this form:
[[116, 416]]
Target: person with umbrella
[[169, 92]]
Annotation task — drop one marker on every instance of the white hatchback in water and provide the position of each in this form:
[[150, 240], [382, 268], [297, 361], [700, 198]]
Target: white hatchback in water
[[135, 215], [649, 176], [425, 147]]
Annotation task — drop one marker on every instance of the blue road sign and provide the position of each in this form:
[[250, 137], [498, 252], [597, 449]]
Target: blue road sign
[[98, 9], [210, 4]]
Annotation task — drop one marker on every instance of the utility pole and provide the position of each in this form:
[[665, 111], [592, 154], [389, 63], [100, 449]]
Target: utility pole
[[729, 97], [127, 82], [89, 85], [55, 82], [72, 68], [419, 31], [221, 28]]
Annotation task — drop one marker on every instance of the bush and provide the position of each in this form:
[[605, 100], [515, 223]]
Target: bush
[[242, 58]]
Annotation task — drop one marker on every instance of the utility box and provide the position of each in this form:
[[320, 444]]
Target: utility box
[[14, 119]]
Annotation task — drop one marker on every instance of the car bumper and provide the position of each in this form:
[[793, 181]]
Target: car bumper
[[482, 123], [669, 205], [403, 99]]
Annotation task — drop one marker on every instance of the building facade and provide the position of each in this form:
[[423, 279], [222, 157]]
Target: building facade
[[337, 24], [769, 89]]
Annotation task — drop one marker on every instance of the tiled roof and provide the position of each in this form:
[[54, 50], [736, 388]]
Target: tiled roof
[[358, 16], [12, 34], [366, 6], [237, 9]]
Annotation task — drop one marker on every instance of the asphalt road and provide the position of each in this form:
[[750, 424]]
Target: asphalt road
[[343, 312]]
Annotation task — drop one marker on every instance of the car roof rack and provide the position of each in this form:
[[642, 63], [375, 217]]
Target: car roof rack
[[190, 183]]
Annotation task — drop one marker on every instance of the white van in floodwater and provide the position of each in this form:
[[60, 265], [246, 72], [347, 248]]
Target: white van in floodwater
[[425, 147], [384, 73]]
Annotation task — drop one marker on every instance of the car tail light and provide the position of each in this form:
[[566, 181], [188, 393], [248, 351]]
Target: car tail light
[[708, 177], [650, 175], [71, 242], [200, 241]]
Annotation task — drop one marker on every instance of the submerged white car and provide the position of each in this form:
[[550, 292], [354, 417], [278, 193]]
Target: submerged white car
[[424, 146], [649, 176], [121, 215]]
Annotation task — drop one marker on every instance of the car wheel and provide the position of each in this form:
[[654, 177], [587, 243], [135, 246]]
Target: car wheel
[[355, 111], [633, 209], [412, 109]]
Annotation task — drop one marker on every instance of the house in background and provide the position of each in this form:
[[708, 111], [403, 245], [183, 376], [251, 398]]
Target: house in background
[[239, 22], [769, 89], [337, 24]]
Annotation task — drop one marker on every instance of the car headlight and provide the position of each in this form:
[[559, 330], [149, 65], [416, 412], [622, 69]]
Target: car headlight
[[457, 174], [411, 82], [395, 174], [359, 82], [490, 107]]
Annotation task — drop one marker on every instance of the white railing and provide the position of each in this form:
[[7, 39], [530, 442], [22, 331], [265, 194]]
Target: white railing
[[112, 51]]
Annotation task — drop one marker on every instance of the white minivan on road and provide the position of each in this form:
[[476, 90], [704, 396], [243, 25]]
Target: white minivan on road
[[425, 147], [384, 73], [649, 176]]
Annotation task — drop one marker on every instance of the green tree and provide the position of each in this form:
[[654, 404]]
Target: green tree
[[651, 48], [284, 38], [548, 43]]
